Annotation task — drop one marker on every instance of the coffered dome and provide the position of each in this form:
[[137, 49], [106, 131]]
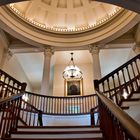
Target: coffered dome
[[65, 16]]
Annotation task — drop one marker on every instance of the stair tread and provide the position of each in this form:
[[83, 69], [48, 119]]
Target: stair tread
[[87, 135], [130, 99], [52, 127], [54, 139], [57, 132]]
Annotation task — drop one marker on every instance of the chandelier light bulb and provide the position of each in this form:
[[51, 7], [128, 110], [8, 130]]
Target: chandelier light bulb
[[72, 71]]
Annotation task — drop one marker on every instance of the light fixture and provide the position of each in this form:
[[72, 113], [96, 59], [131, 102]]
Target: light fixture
[[72, 71]]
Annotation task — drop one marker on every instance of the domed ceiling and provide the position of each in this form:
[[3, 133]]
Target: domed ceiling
[[65, 16]]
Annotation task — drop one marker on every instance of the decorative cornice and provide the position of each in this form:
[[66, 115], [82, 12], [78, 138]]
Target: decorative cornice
[[64, 29]]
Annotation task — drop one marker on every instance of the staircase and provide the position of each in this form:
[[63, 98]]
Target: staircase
[[57, 133], [108, 121]]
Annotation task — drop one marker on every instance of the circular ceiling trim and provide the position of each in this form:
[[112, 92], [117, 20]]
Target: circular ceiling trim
[[36, 37]]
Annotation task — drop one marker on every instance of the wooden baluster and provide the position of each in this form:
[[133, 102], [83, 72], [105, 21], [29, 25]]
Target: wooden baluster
[[52, 105], [132, 88], [134, 75], [103, 85], [88, 108], [126, 88], [38, 102], [49, 104], [60, 107], [30, 115], [43, 104], [116, 98], [137, 67], [119, 87], [63, 105], [34, 119], [109, 89], [80, 105]]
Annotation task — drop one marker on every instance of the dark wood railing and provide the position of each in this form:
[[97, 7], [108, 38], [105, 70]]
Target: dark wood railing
[[9, 113], [9, 85], [62, 105], [30, 115], [115, 123], [123, 80]]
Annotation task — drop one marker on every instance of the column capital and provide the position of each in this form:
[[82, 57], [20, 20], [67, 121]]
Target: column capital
[[9, 53], [48, 51], [136, 48], [94, 49]]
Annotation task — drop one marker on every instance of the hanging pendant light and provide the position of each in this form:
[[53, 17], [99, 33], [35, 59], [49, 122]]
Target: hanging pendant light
[[72, 71]]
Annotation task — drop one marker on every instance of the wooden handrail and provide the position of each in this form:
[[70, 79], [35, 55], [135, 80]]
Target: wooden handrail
[[128, 126], [119, 68], [9, 85], [62, 105], [9, 114], [28, 114], [11, 98], [124, 79]]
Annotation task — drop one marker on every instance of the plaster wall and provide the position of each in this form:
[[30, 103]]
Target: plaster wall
[[13, 68]]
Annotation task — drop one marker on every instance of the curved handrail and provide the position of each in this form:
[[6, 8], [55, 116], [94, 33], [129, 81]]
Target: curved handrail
[[59, 96], [124, 79], [9, 114], [129, 125], [11, 98], [119, 68], [58, 105]]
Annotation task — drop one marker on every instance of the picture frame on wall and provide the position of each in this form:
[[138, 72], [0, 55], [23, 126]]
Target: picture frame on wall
[[74, 87]]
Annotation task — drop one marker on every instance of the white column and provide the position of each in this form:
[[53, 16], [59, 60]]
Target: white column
[[94, 50], [46, 71]]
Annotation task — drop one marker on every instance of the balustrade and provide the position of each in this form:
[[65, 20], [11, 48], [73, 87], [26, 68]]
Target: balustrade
[[122, 82]]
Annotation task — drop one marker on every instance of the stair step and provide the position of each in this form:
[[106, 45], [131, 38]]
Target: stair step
[[131, 99], [56, 136], [57, 129], [57, 133], [54, 139]]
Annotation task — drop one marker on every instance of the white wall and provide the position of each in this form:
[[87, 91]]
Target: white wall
[[13, 68]]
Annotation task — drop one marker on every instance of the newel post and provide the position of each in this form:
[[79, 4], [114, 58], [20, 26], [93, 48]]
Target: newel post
[[96, 85], [92, 117], [23, 86]]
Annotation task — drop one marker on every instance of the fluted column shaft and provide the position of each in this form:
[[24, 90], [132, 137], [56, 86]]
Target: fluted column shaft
[[94, 50], [46, 71]]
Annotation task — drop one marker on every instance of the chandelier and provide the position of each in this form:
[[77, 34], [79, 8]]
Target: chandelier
[[72, 71]]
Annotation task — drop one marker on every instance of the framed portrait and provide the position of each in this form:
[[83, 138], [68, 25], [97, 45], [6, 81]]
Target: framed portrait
[[74, 87]]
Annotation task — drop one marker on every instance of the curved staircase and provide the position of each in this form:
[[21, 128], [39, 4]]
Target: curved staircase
[[108, 120]]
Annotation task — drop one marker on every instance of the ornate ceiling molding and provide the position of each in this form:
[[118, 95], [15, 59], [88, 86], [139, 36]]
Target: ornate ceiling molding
[[106, 33]]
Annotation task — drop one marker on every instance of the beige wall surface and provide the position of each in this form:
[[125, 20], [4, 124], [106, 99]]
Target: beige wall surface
[[13, 68], [58, 88]]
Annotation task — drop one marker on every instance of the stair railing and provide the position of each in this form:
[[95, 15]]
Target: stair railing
[[30, 115], [115, 123], [122, 82], [9, 113], [56, 105], [9, 85]]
